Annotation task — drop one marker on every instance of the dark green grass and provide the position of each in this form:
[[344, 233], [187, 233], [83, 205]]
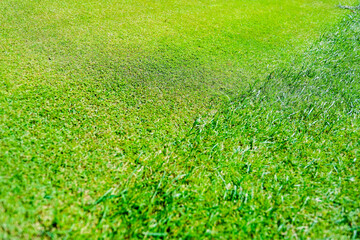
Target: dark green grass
[[279, 160]]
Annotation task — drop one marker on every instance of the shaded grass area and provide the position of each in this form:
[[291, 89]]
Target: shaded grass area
[[278, 161]]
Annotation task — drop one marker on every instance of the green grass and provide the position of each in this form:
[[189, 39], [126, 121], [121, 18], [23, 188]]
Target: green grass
[[155, 59], [97, 138]]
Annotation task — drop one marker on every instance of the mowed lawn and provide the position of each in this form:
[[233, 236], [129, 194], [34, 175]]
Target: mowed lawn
[[96, 95], [141, 68]]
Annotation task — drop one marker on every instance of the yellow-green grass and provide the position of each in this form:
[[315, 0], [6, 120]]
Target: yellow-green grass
[[97, 100]]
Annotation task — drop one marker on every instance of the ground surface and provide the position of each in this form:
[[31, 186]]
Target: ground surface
[[97, 130]]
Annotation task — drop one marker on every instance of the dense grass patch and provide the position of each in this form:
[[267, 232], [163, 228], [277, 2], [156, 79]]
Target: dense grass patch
[[162, 61], [79, 158]]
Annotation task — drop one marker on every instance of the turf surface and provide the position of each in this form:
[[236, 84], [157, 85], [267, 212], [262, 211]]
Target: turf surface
[[161, 61], [97, 134]]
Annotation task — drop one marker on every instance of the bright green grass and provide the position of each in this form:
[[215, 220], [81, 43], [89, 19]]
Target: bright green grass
[[153, 60], [139, 72], [93, 140]]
